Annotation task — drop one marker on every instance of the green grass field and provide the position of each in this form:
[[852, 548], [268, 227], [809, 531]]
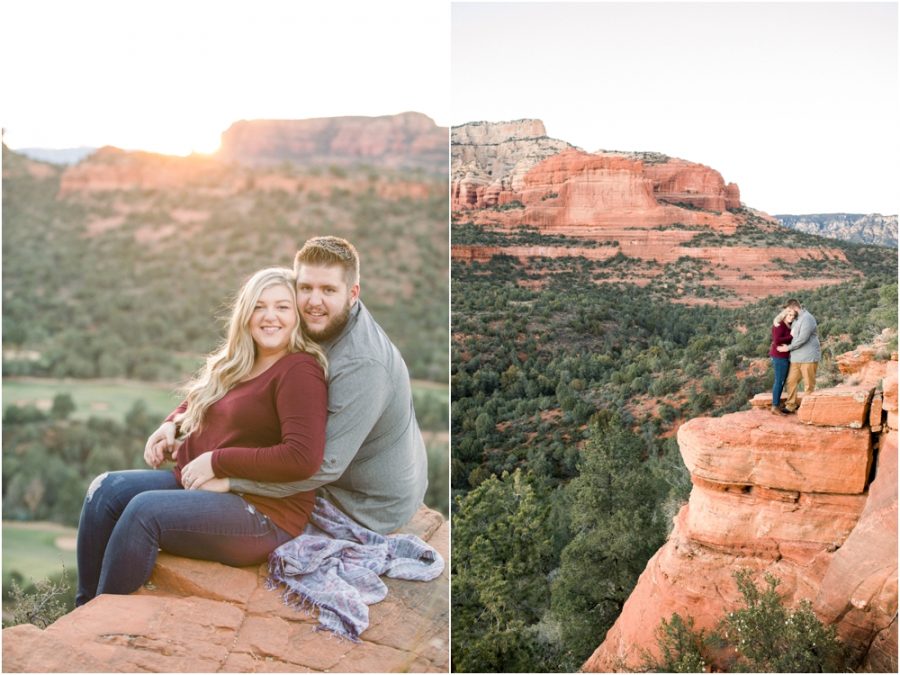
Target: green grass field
[[93, 398], [31, 550], [113, 399]]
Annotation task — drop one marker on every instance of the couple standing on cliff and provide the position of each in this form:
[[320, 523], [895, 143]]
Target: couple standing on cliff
[[795, 353]]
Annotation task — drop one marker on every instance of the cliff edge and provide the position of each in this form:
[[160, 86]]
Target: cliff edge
[[197, 616], [811, 499]]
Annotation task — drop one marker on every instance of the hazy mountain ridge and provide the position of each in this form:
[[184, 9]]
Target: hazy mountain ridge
[[859, 228], [61, 156]]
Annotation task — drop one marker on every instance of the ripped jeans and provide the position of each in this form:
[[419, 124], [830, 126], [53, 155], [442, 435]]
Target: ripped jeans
[[128, 516]]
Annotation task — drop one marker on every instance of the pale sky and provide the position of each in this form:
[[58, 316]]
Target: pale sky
[[171, 75], [797, 103]]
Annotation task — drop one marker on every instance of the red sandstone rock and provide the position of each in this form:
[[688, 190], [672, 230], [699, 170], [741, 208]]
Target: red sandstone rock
[[405, 140], [875, 412], [197, 616], [625, 198], [757, 522], [845, 406], [113, 169], [859, 590], [837, 550], [757, 448], [890, 396]]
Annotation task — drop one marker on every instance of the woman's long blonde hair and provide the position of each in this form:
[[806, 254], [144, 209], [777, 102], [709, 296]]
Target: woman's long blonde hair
[[779, 318], [231, 363]]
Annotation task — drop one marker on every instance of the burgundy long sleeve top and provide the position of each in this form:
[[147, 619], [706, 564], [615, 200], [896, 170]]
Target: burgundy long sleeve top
[[269, 428], [781, 335]]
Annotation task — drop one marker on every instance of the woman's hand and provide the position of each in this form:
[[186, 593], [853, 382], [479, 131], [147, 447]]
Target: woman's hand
[[197, 472], [161, 441], [216, 485]]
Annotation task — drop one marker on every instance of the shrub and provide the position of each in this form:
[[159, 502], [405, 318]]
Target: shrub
[[765, 636], [770, 638], [681, 649], [41, 606]]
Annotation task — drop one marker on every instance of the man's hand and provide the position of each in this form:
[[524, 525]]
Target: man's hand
[[197, 472], [160, 443], [783, 348]]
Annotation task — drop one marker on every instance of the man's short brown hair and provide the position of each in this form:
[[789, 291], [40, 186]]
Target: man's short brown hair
[[330, 251], [793, 304]]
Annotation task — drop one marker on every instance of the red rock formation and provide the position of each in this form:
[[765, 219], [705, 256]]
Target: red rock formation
[[773, 494], [684, 182], [197, 616], [405, 140], [113, 169], [510, 174], [846, 406]]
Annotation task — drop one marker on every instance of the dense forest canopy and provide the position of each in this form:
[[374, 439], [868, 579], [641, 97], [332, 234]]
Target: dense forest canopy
[[565, 397], [134, 283]]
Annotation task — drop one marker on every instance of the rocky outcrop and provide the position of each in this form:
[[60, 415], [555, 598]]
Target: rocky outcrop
[[872, 228], [793, 496], [407, 140], [111, 169], [197, 616], [652, 208], [490, 159]]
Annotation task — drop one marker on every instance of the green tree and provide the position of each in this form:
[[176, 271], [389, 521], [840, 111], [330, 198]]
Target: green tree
[[63, 406], [504, 535], [769, 638], [617, 527]]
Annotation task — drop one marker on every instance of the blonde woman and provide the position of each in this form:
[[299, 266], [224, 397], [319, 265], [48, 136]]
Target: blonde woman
[[781, 335], [257, 411]]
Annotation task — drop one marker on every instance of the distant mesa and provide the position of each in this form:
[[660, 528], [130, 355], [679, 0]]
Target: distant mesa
[[409, 140], [663, 221]]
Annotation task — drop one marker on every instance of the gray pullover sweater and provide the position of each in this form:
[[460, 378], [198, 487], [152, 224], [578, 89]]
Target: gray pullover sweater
[[375, 467], [805, 343]]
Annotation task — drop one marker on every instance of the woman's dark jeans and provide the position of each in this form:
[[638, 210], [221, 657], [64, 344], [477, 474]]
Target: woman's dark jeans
[[128, 516], [781, 371]]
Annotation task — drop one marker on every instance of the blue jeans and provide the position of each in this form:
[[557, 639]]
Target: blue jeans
[[128, 516], [781, 371]]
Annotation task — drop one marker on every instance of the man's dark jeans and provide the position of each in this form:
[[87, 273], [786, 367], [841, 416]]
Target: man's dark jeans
[[128, 516]]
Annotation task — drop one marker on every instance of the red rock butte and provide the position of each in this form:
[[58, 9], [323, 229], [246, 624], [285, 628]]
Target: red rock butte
[[197, 616], [792, 496], [644, 205]]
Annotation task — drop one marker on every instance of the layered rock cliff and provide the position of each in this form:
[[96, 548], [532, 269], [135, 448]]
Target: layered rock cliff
[[258, 154], [196, 616], [872, 228], [407, 140], [648, 207], [491, 158], [811, 499]]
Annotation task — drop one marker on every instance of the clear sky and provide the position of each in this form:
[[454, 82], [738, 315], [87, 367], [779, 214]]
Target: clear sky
[[797, 103], [171, 75]]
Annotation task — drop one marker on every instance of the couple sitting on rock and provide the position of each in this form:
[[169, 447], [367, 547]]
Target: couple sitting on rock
[[263, 428], [795, 353]]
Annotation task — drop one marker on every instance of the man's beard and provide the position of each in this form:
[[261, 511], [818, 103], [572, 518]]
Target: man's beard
[[332, 329]]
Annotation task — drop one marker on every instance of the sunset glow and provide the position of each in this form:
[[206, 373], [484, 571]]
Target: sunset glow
[[171, 77]]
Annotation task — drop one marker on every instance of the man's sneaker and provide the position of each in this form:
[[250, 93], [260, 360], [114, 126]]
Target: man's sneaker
[[778, 411]]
